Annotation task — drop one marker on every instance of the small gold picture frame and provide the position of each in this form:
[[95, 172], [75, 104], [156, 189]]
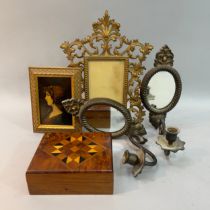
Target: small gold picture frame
[[106, 77], [49, 86]]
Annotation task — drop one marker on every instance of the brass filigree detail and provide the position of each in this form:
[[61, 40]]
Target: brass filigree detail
[[164, 57], [106, 40]]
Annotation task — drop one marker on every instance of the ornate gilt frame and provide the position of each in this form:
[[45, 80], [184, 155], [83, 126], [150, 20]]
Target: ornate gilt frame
[[106, 58], [34, 73], [106, 40]]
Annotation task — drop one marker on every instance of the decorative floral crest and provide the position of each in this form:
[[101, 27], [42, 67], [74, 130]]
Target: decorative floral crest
[[106, 27], [164, 57]]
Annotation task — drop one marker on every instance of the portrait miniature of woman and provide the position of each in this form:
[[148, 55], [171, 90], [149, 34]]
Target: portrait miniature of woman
[[52, 112]]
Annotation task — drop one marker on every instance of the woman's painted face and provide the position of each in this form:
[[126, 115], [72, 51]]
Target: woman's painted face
[[48, 99]]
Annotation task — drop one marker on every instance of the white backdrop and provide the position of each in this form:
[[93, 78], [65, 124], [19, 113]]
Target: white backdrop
[[30, 35]]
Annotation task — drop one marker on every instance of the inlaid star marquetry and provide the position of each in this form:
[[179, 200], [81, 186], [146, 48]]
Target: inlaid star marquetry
[[75, 150]]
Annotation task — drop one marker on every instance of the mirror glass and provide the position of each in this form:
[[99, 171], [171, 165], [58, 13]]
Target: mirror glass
[[161, 89], [95, 116]]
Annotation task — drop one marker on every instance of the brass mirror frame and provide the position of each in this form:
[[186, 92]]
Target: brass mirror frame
[[109, 102], [106, 40], [144, 89]]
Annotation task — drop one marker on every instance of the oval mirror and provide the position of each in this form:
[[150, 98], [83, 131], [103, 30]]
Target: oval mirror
[[161, 89], [120, 117]]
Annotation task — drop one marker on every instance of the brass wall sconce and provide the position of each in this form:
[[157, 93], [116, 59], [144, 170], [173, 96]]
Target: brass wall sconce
[[160, 92], [79, 108], [170, 142], [163, 82]]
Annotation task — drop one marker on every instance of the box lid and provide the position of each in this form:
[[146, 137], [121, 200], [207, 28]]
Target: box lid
[[75, 152]]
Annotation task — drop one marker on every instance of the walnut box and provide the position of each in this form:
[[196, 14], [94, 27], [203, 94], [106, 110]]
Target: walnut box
[[78, 163]]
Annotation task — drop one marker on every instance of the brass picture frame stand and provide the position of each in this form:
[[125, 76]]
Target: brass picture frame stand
[[106, 40]]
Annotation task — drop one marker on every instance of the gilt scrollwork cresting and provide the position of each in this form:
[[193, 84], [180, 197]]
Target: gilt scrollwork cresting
[[106, 40]]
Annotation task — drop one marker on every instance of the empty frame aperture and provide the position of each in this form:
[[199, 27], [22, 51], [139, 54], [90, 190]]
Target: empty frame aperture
[[106, 77]]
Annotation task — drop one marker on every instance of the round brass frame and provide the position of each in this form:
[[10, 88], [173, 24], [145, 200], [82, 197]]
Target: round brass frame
[[105, 101], [144, 92]]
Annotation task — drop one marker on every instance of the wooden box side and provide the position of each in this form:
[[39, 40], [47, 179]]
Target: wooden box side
[[99, 116], [69, 183]]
